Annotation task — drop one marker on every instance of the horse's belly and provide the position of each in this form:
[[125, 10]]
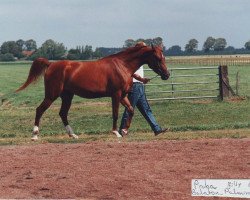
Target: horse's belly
[[91, 94], [87, 91]]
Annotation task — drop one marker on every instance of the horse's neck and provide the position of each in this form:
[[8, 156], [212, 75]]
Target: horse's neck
[[125, 67], [133, 62]]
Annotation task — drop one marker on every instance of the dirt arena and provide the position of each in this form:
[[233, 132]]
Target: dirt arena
[[125, 170]]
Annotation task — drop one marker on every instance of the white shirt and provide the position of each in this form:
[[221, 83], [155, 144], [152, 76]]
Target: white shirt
[[139, 72]]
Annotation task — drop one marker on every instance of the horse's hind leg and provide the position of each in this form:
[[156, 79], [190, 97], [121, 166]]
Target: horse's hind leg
[[39, 112], [66, 103]]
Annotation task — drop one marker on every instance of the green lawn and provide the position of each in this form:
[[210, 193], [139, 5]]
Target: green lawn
[[94, 116]]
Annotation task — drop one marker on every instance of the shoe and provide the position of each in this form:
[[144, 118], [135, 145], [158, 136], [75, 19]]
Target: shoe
[[161, 131]]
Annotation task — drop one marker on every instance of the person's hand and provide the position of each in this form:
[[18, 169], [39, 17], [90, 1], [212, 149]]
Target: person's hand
[[145, 80]]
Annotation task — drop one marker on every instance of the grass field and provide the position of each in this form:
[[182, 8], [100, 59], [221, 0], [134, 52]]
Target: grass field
[[92, 118]]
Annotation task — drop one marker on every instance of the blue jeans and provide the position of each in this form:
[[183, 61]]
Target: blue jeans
[[137, 98]]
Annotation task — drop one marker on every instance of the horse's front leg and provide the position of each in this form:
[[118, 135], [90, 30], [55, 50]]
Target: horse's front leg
[[115, 110], [126, 103]]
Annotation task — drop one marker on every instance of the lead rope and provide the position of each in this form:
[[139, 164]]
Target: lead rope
[[154, 77]]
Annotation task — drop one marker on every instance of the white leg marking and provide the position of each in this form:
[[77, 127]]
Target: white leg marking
[[116, 133], [36, 129], [35, 133], [71, 132], [69, 129]]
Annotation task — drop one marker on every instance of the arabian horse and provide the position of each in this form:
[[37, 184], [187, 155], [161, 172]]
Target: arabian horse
[[110, 76]]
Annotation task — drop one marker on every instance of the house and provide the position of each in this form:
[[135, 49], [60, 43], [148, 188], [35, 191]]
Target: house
[[27, 53]]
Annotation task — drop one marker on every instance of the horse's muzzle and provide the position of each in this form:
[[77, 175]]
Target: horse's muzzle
[[165, 76]]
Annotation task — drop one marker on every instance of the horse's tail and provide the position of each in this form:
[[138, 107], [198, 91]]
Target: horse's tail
[[37, 69]]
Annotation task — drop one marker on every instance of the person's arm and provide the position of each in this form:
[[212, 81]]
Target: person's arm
[[139, 78]]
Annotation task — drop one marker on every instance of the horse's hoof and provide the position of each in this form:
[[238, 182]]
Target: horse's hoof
[[34, 137], [117, 134], [74, 136]]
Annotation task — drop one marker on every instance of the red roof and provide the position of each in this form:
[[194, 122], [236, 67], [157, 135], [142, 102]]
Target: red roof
[[27, 53]]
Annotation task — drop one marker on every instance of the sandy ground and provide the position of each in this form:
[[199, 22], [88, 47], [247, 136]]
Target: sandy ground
[[126, 170]]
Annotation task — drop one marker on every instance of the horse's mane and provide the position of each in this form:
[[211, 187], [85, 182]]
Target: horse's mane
[[126, 51]]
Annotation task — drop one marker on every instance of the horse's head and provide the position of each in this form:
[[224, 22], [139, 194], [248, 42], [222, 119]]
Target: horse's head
[[156, 61]]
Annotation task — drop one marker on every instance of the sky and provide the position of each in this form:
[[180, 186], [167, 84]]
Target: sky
[[108, 23]]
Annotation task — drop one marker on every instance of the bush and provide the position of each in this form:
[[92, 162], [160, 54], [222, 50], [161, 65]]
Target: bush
[[72, 56], [7, 57]]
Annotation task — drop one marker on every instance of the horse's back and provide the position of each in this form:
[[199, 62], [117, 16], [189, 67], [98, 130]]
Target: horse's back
[[90, 79], [71, 70], [86, 79]]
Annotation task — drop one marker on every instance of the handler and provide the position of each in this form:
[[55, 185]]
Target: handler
[[137, 97]]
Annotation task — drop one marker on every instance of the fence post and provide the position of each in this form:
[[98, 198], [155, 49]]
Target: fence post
[[223, 82], [237, 83]]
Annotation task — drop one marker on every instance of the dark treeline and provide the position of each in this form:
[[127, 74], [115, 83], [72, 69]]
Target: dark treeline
[[28, 50], [212, 46], [177, 51]]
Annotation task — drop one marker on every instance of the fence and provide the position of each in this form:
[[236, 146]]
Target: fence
[[190, 83], [209, 60]]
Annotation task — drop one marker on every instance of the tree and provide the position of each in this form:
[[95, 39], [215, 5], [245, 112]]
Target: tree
[[247, 45], [104, 51], [174, 50], [158, 41], [7, 57], [148, 41], [12, 48], [30, 45], [20, 43], [220, 44], [191, 46], [87, 52], [208, 44], [82, 53], [230, 49], [129, 43], [51, 50], [141, 40], [74, 54], [97, 53]]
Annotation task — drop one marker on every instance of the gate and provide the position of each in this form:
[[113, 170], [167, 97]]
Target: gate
[[189, 83]]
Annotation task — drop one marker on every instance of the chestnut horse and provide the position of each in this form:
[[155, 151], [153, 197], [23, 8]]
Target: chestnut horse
[[110, 76]]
